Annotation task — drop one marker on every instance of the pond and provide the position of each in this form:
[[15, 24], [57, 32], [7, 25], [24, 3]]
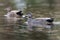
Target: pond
[[17, 30]]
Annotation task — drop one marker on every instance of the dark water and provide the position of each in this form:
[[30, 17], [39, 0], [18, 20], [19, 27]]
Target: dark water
[[16, 30]]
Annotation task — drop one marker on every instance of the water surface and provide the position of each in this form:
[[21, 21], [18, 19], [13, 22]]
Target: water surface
[[17, 30]]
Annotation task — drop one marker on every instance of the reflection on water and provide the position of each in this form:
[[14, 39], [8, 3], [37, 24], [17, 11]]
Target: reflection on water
[[18, 31], [20, 4]]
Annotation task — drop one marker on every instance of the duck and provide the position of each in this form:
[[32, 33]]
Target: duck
[[13, 13], [41, 22], [12, 16]]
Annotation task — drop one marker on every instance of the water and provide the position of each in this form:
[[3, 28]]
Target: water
[[11, 29], [16, 30], [20, 4]]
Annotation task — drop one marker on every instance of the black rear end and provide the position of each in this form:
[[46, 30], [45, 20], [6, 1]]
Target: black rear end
[[19, 13], [50, 21]]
